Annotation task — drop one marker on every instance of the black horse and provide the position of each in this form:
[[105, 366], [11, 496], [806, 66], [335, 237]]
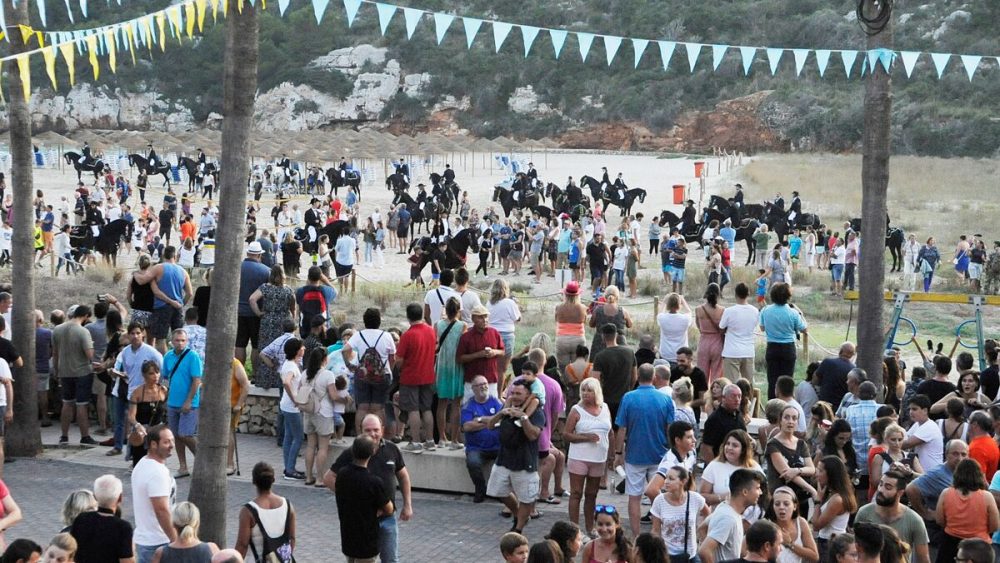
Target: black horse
[[594, 185], [692, 234], [96, 166], [418, 215], [528, 200], [107, 242], [745, 232], [396, 182], [457, 251], [163, 168], [191, 166], [627, 201], [894, 239], [350, 178]]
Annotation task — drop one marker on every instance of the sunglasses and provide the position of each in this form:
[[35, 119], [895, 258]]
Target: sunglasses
[[605, 509]]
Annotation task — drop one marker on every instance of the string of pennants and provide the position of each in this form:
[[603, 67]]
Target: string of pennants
[[182, 19]]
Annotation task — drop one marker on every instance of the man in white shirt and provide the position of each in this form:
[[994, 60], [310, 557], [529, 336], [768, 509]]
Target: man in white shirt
[[725, 530], [345, 256], [153, 495], [114, 213], [435, 298], [739, 321], [924, 436], [6, 404]]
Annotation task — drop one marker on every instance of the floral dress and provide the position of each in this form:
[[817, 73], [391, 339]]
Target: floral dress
[[274, 304]]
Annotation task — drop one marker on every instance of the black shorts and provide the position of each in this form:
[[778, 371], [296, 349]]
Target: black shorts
[[77, 389], [613, 410], [341, 270], [247, 330], [401, 231], [165, 319], [596, 274]]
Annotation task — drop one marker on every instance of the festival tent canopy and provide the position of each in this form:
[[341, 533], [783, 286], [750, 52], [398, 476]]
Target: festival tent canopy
[[51, 139]]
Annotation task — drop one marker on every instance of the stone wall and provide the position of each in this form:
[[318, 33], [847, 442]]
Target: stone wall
[[260, 412]]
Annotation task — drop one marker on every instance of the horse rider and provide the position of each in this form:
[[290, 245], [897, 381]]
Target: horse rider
[[421, 193], [779, 202], [795, 208], [605, 180], [201, 160], [620, 187], [403, 169], [151, 155], [532, 173], [738, 196], [688, 217], [285, 164], [85, 152], [735, 211], [449, 175], [573, 192], [95, 219], [343, 167]]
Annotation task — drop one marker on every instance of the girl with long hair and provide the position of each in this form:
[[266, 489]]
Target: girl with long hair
[[893, 457], [965, 510], [838, 443], [676, 511], [504, 315], [318, 424], [797, 535], [707, 317], [736, 453], [611, 545], [836, 500]]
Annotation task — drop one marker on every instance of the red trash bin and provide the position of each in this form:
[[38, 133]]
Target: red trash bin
[[679, 194], [699, 168]]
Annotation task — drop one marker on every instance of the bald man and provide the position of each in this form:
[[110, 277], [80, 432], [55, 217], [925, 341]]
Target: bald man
[[832, 374]]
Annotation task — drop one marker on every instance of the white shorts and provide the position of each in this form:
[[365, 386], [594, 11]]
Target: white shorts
[[468, 392], [637, 477], [503, 481]]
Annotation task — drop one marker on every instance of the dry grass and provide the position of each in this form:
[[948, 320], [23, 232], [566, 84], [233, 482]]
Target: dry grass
[[929, 196]]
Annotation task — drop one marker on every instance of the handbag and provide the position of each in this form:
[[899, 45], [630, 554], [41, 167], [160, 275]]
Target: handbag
[[684, 556]]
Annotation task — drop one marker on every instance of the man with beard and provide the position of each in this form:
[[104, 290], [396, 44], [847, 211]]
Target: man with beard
[[887, 510]]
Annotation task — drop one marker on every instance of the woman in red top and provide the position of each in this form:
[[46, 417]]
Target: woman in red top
[[10, 513], [965, 510]]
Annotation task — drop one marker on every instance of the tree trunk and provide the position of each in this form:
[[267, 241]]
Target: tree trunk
[[875, 185], [24, 438], [208, 483]]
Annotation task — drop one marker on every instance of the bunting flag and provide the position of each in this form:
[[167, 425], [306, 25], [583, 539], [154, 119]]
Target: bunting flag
[[558, 40], [638, 48], [971, 63], [693, 50], [160, 22], [747, 54], [69, 12], [940, 62], [66, 49], [412, 17], [528, 35], [112, 55], [282, 6], [611, 46], [848, 58], [800, 56], [586, 40], [49, 54], [385, 13], [83, 7], [718, 52], [909, 61], [500, 32], [189, 19], [24, 70], [441, 24], [773, 58], [472, 26], [666, 52], [92, 49], [41, 11], [822, 60]]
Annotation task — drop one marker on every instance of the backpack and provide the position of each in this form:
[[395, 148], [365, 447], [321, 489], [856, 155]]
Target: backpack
[[371, 368], [313, 303], [305, 396], [273, 550]]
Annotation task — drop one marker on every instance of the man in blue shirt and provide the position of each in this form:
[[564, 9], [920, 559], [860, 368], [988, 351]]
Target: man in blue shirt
[[128, 370], [172, 289], [482, 443], [182, 369], [253, 274], [861, 415], [643, 418]]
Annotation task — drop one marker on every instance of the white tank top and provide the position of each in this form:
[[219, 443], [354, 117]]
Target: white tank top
[[836, 526], [273, 520], [590, 424], [786, 555]]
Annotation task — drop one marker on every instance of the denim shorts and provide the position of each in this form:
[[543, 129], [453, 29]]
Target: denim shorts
[[183, 424], [677, 275], [837, 270], [508, 343], [77, 389]]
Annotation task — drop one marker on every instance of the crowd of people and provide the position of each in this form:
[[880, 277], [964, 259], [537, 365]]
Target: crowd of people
[[841, 469]]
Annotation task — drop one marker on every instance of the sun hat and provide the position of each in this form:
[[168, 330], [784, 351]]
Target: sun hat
[[572, 288], [480, 311], [255, 248]]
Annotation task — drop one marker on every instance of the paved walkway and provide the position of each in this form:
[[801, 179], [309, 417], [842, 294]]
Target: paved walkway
[[444, 527]]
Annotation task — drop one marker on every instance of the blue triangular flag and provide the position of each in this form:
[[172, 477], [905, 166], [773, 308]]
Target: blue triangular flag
[[385, 13], [528, 35], [747, 54], [800, 59], [83, 7], [41, 11], [693, 49], [666, 52], [611, 45], [718, 52], [471, 29], [500, 31], [773, 58], [319, 7], [441, 24], [887, 57], [69, 12], [971, 63], [282, 6], [940, 62], [909, 61], [638, 48], [822, 60], [351, 6], [558, 39], [872, 58], [412, 17], [848, 58], [585, 40]]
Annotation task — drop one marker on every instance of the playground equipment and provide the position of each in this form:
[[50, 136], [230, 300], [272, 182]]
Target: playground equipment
[[900, 298]]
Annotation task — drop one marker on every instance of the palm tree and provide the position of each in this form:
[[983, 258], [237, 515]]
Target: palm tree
[[208, 483], [24, 435], [875, 185]]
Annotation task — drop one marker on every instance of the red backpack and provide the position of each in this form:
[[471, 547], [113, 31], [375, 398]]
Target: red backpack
[[313, 303]]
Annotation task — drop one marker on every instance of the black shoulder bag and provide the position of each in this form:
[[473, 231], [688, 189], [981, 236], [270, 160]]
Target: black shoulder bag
[[684, 556]]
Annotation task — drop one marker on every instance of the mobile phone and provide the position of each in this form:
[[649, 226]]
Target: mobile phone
[[101, 297]]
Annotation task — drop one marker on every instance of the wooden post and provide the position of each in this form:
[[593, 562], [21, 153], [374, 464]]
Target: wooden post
[[805, 346], [52, 263], [656, 306], [353, 279]]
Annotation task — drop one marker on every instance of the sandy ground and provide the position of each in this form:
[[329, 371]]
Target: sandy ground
[[656, 175]]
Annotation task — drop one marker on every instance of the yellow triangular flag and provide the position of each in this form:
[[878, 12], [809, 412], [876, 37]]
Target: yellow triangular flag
[[239, 6], [112, 57], [26, 33], [50, 65], [92, 48], [68, 51], [2, 35], [160, 23], [24, 68], [225, 7], [41, 39], [263, 5], [147, 24], [174, 15], [215, 10], [201, 15], [130, 32], [189, 19]]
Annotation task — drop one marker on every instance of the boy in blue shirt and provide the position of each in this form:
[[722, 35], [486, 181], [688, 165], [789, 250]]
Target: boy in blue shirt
[[761, 288]]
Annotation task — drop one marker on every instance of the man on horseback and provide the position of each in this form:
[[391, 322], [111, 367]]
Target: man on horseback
[[605, 180], [403, 169], [285, 164], [151, 156], [201, 160], [85, 151], [532, 173], [620, 187], [738, 197], [343, 168], [795, 209], [449, 175]]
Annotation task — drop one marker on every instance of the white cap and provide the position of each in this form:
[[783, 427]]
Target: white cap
[[255, 248]]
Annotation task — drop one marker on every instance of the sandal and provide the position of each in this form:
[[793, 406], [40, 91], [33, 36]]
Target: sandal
[[505, 514], [310, 482], [537, 514], [551, 499], [230, 471]]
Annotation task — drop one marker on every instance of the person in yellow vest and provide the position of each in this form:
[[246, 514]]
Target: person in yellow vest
[[39, 243]]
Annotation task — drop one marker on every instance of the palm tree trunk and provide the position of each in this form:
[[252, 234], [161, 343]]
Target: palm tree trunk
[[875, 185], [24, 435], [208, 484]]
